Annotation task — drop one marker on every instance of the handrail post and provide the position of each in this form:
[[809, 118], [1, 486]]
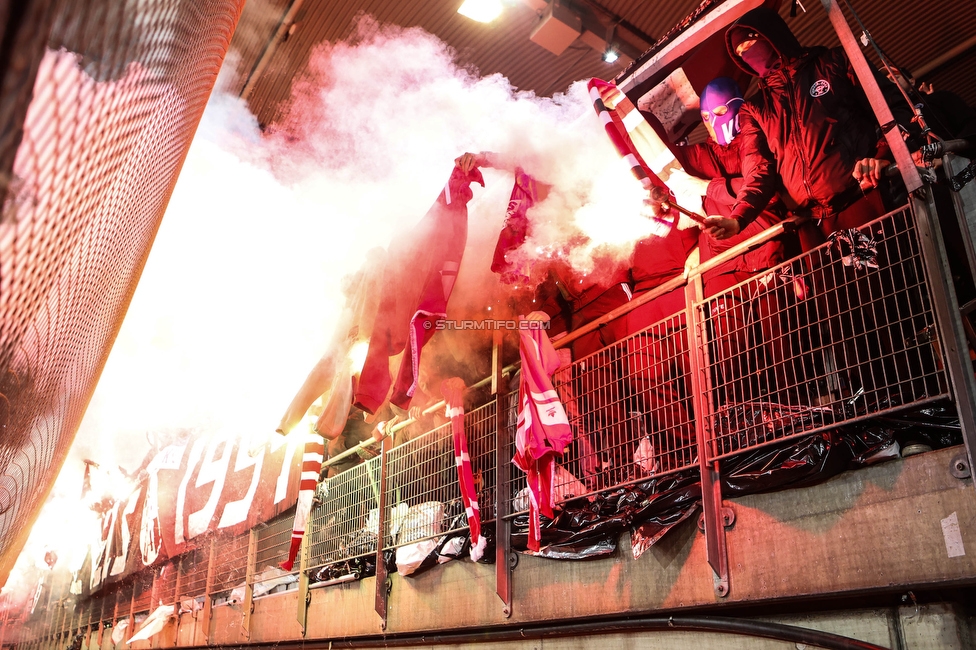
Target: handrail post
[[207, 600], [252, 555], [304, 595], [701, 390], [941, 289], [382, 578], [503, 537]]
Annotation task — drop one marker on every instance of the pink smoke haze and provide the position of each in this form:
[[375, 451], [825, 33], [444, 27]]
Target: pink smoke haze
[[242, 287]]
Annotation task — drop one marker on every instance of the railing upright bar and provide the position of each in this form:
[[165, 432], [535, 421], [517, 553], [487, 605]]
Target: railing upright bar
[[941, 290], [701, 390], [382, 578], [503, 498], [252, 555], [207, 600], [304, 596]]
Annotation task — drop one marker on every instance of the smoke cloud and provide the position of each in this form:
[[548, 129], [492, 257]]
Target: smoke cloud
[[243, 285]]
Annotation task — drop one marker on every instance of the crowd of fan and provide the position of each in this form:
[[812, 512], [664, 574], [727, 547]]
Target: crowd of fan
[[806, 144]]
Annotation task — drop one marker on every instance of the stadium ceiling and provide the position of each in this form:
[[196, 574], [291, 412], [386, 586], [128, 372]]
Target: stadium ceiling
[[935, 39]]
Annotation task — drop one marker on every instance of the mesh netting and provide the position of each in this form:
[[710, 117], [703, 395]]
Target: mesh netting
[[119, 89]]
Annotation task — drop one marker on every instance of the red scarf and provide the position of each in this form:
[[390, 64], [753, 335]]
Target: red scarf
[[453, 390], [525, 194], [311, 466], [420, 273], [621, 119], [543, 431]]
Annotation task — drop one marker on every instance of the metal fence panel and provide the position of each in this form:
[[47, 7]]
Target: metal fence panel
[[273, 542], [480, 429], [230, 557], [423, 495], [193, 569], [142, 587], [344, 525], [166, 582], [841, 333]]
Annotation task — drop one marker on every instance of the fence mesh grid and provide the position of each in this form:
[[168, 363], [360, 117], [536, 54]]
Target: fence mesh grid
[[273, 541], [119, 90], [629, 406], [193, 572], [345, 524], [143, 587], [843, 332], [480, 428], [422, 488], [231, 567], [166, 582]]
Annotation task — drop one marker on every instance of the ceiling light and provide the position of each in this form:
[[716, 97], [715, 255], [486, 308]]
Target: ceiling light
[[610, 54], [484, 11]]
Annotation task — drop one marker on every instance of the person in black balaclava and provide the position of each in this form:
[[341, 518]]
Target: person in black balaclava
[[809, 132]]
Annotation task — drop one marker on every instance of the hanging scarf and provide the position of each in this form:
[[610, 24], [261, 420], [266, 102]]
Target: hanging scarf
[[525, 193], [453, 390], [543, 431], [420, 272], [311, 466]]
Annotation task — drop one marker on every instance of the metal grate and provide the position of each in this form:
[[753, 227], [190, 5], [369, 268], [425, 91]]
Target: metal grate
[[273, 542], [820, 341], [94, 606], [83, 613], [230, 557], [423, 496], [143, 592], [481, 430], [345, 524], [193, 572], [115, 103], [123, 599], [108, 607], [166, 582], [629, 406]]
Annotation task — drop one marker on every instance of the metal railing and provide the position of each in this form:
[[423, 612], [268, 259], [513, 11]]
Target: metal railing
[[193, 573], [166, 582], [143, 592], [273, 540], [345, 524], [230, 571], [836, 335]]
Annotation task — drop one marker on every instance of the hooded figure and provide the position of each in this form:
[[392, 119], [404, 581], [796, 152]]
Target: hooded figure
[[732, 312], [806, 127], [718, 161]]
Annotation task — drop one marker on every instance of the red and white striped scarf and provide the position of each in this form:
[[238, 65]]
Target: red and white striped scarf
[[525, 194], [635, 140], [453, 390], [543, 431], [311, 466]]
